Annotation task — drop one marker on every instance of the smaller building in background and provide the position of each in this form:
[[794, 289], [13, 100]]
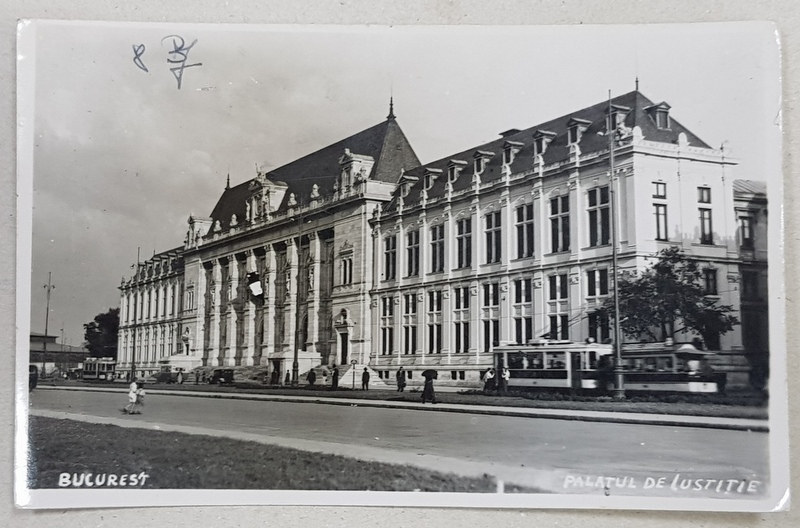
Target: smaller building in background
[[54, 359]]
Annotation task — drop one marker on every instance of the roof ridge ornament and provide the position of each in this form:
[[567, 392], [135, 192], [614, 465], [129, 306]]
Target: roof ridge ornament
[[391, 115]]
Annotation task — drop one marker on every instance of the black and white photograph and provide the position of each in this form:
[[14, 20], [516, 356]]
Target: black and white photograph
[[482, 267]]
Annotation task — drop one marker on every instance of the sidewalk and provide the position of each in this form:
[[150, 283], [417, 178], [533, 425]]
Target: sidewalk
[[740, 424]]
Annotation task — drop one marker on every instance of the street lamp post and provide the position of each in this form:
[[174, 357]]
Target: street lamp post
[[48, 287], [619, 382]]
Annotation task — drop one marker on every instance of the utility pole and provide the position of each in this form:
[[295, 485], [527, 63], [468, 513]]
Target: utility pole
[[619, 382], [48, 287]]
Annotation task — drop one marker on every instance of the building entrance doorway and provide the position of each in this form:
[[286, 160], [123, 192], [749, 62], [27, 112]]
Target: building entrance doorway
[[345, 341]]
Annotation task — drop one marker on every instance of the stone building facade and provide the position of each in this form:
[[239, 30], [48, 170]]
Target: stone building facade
[[358, 255], [510, 241]]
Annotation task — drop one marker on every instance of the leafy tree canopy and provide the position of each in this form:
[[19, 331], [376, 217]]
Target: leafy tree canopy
[[101, 334], [669, 297]]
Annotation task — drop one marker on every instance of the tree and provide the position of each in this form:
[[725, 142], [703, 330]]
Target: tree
[[101, 334], [669, 297]]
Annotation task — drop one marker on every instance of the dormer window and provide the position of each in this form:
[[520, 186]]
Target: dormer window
[[659, 113], [454, 169], [662, 119], [510, 149], [542, 138], [430, 176], [616, 117], [481, 157], [575, 128]]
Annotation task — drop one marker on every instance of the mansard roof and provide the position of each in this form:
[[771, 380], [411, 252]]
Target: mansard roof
[[593, 117], [385, 143]]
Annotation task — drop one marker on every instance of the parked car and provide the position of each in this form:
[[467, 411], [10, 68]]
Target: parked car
[[221, 376]]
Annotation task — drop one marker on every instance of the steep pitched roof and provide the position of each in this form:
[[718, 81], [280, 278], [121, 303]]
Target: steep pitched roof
[[385, 142], [557, 149]]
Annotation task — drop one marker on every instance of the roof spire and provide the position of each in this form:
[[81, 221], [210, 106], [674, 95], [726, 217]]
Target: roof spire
[[391, 109], [637, 83], [228, 185]]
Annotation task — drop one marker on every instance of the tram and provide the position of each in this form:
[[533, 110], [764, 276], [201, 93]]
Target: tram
[[556, 365], [566, 365], [99, 369]]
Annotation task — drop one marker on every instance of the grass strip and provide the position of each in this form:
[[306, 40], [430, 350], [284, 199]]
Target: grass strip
[[746, 406], [183, 461]]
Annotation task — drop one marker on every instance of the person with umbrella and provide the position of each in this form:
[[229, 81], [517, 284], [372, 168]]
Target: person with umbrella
[[427, 392]]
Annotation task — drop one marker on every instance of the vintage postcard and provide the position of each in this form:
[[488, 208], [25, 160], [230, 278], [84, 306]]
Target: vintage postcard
[[527, 267]]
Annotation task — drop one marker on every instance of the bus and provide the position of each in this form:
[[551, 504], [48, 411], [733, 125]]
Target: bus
[[99, 369]]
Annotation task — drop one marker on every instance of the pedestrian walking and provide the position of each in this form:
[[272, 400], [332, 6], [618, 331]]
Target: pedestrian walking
[[488, 381], [132, 396], [311, 378], [365, 379], [505, 375], [401, 380], [335, 378], [428, 393], [288, 379]]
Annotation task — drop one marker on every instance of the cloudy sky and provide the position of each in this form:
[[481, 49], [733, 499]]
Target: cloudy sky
[[121, 157]]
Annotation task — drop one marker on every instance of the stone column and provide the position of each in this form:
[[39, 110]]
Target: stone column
[[199, 313], [475, 319], [249, 314], [314, 279], [233, 301], [216, 296], [290, 344], [447, 318], [268, 282], [507, 230]]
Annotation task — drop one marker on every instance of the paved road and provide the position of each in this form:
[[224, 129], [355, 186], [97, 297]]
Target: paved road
[[572, 454]]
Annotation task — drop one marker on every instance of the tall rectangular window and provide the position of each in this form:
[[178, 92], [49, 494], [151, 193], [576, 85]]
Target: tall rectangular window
[[437, 249], [703, 195], [525, 231], [706, 233], [461, 298], [409, 304], [464, 243], [491, 334], [461, 318], [491, 294], [599, 328], [660, 212], [390, 257], [559, 224], [409, 339], [412, 250], [494, 240], [597, 282], [461, 329], [491, 316], [523, 311], [559, 326], [710, 281], [347, 270], [559, 287], [746, 232], [434, 322], [387, 325], [599, 217]]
